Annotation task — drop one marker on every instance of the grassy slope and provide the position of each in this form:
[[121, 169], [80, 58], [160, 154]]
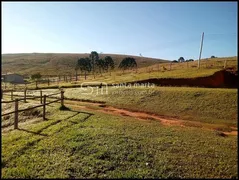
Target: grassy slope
[[199, 104], [126, 77], [217, 106], [52, 63], [178, 70], [78, 145]]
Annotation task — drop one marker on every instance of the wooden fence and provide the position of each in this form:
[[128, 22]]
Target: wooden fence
[[42, 101]]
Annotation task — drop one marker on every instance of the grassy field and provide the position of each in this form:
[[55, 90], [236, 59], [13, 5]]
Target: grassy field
[[196, 104], [157, 70], [91, 143], [64, 64], [216, 106], [88, 144], [120, 78]]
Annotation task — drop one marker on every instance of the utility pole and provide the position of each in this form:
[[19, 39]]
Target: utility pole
[[200, 50]]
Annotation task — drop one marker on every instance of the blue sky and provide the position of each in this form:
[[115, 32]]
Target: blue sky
[[164, 30]]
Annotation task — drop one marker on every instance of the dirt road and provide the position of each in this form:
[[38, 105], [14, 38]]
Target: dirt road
[[144, 115]]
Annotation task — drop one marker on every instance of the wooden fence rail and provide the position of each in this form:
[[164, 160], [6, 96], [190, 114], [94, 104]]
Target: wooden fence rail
[[53, 94], [44, 104], [25, 95]]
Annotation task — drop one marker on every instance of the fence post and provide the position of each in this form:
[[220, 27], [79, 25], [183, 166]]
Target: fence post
[[62, 98], [41, 96], [36, 84], [48, 81], [44, 108], [11, 94], [25, 94], [16, 115], [225, 64]]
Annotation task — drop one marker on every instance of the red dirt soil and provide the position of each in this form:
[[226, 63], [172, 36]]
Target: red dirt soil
[[221, 79], [146, 116]]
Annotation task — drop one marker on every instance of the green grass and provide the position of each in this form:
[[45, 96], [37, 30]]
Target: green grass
[[83, 145], [215, 106], [88, 144], [218, 106]]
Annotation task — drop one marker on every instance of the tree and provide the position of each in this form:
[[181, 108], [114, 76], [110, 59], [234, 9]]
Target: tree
[[174, 61], [84, 65], [94, 57], [109, 63], [181, 59], [190, 60], [36, 76], [101, 65], [76, 69], [213, 57], [127, 63]]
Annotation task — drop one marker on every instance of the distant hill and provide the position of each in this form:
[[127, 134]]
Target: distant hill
[[51, 63]]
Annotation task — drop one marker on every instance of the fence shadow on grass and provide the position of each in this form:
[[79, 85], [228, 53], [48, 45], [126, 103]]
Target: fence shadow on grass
[[30, 144], [35, 133]]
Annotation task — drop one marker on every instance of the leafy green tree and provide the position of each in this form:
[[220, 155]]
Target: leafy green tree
[[76, 70], [109, 63], [94, 57], [101, 65], [181, 59], [84, 65], [36, 76], [128, 63]]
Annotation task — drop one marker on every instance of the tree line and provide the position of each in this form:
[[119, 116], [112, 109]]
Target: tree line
[[181, 59], [95, 64]]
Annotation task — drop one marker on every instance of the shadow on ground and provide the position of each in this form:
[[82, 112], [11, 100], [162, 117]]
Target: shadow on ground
[[43, 136]]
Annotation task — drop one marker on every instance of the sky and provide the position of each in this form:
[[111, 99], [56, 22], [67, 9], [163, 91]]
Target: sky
[[165, 30]]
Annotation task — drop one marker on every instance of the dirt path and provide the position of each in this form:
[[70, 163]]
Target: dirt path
[[143, 115], [100, 107]]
